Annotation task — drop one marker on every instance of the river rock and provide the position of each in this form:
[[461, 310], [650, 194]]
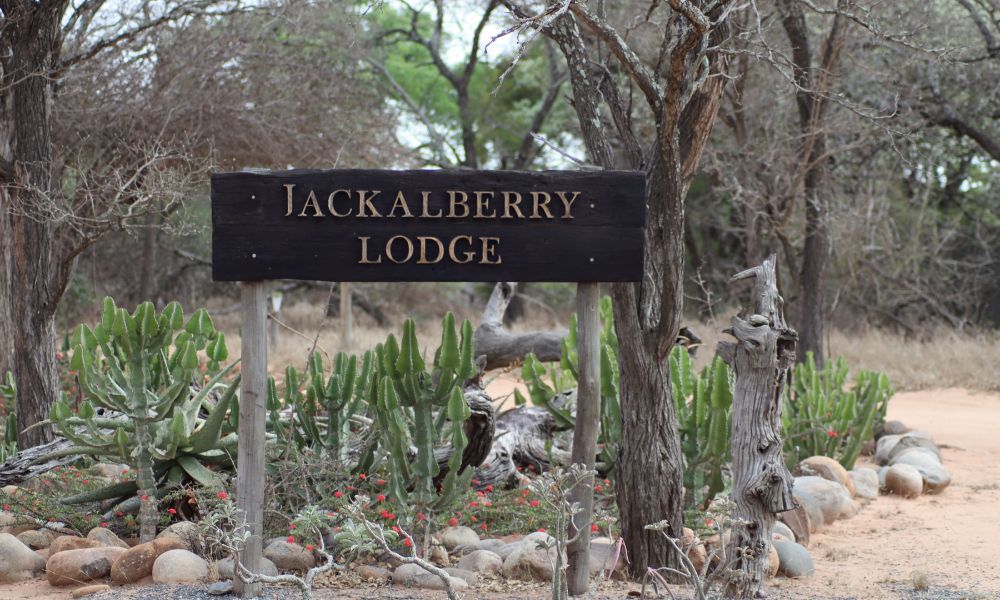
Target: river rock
[[483, 561], [465, 575], [289, 557], [904, 480], [773, 561], [106, 537], [532, 559], [453, 537], [793, 560], [225, 567], [412, 575], [910, 441], [825, 501], [17, 561], [866, 483], [881, 478], [180, 566], [185, 531], [37, 539], [71, 542], [72, 567], [828, 469], [88, 590], [797, 520], [935, 477], [784, 530], [602, 558], [894, 428], [137, 562], [372, 573], [109, 470]]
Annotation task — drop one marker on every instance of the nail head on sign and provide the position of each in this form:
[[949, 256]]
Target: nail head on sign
[[253, 196], [591, 259], [254, 255]]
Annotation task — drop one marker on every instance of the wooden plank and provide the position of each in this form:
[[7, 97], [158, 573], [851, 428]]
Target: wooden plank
[[588, 416], [346, 317], [428, 226], [250, 453]]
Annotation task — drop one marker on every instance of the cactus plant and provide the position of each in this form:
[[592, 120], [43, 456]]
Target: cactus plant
[[141, 366], [821, 417]]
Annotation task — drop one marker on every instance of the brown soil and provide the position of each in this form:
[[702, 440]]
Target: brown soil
[[893, 548]]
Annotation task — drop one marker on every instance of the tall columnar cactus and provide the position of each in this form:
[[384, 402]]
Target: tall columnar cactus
[[703, 405], [821, 417], [423, 410], [142, 365]]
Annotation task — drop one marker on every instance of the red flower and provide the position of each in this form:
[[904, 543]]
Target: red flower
[[607, 482], [59, 355], [309, 547], [473, 504], [408, 543], [380, 482], [594, 528], [144, 497], [831, 433], [172, 511], [475, 482], [480, 493], [292, 527], [489, 488], [6, 506], [380, 498], [351, 488], [290, 539], [104, 523], [534, 503], [86, 481], [338, 494], [525, 492], [453, 521], [541, 530], [362, 476], [119, 514], [597, 488], [483, 526], [421, 516], [396, 529], [487, 503], [222, 495], [331, 514]]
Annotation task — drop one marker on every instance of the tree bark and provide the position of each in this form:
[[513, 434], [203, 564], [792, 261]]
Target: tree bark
[[150, 248], [27, 246], [762, 356]]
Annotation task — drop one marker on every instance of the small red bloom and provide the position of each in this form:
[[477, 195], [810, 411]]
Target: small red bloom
[[597, 488], [290, 539], [480, 493], [473, 504], [489, 488], [525, 492], [488, 503], [594, 528], [6, 506], [309, 547], [541, 530], [172, 511], [408, 543], [351, 488], [144, 497], [396, 529], [421, 516], [534, 503], [483, 526], [119, 514], [331, 514], [104, 523], [380, 498], [86, 481], [831, 433], [362, 476], [338, 494], [453, 521], [292, 527], [222, 495], [380, 482], [475, 482]]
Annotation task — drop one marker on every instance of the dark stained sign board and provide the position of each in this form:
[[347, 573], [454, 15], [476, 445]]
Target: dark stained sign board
[[447, 225]]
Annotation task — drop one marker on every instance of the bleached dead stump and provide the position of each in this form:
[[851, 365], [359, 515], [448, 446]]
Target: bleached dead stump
[[762, 356]]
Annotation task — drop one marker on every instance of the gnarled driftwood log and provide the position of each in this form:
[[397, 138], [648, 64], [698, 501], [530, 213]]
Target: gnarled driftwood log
[[762, 355], [502, 348]]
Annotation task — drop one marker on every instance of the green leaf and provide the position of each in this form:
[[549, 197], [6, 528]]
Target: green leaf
[[197, 471]]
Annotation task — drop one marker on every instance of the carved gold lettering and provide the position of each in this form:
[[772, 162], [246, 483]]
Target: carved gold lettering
[[454, 202], [540, 201], [391, 254], [567, 203], [314, 203], [365, 201], [483, 204], [288, 189], [422, 245], [332, 197], [511, 200], [364, 253], [490, 247], [401, 203], [453, 251], [425, 213]]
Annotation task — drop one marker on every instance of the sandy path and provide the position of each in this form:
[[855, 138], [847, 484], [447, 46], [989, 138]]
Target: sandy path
[[952, 539]]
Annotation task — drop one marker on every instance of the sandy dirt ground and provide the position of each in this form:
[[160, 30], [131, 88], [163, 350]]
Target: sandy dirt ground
[[933, 547]]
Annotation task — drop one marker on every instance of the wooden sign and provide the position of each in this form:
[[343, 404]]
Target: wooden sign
[[370, 225]]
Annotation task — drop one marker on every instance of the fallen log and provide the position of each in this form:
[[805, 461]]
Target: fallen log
[[37, 460], [502, 348]]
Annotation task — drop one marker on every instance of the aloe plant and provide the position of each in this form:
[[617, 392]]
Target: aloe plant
[[142, 366], [822, 417]]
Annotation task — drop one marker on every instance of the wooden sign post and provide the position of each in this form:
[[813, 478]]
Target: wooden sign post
[[368, 225]]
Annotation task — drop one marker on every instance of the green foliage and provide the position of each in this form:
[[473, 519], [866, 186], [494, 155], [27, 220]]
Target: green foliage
[[546, 383], [703, 405], [820, 417], [8, 397], [142, 367]]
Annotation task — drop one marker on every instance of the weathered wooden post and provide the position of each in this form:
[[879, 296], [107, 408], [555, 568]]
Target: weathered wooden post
[[588, 424], [346, 318], [762, 355], [250, 454]]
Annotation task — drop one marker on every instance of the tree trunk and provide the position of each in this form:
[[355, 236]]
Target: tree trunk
[[150, 246], [28, 249], [762, 486], [815, 256]]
